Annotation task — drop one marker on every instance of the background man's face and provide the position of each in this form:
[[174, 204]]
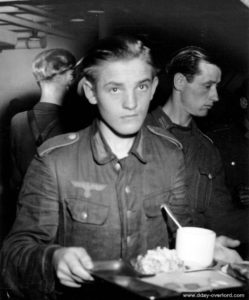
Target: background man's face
[[123, 93], [198, 96]]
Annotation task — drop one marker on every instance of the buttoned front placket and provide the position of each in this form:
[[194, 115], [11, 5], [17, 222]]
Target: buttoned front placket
[[128, 180], [127, 198]]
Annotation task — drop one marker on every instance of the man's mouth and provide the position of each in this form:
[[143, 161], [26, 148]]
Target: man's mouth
[[130, 116], [208, 106]]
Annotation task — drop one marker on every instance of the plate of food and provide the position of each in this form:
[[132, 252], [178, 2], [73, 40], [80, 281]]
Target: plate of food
[[122, 274], [160, 274], [170, 272]]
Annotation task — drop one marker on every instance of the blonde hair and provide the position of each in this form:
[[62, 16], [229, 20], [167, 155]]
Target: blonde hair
[[51, 62], [115, 48]]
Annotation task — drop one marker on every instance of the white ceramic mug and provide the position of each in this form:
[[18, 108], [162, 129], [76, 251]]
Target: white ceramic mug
[[195, 246]]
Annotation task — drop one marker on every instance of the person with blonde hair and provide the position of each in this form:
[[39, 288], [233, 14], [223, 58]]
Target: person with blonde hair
[[53, 70]]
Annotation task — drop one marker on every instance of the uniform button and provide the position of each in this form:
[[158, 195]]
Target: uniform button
[[210, 176], [117, 166], [127, 190], [84, 215], [233, 163], [72, 136], [128, 213]]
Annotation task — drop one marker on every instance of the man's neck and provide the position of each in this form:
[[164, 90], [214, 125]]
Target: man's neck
[[52, 94], [176, 113], [119, 145]]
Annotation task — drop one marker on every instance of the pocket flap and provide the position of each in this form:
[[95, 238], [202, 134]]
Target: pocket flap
[[153, 202], [206, 172], [87, 212]]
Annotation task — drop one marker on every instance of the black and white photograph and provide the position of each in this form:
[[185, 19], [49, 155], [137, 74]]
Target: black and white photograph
[[124, 149]]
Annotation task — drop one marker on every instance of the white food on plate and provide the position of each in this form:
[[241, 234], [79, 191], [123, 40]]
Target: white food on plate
[[158, 260]]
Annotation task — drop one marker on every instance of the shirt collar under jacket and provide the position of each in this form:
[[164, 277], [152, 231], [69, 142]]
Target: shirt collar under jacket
[[102, 152]]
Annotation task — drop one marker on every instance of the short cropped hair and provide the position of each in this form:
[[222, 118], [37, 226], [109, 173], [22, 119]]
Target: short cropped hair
[[51, 62], [114, 48], [186, 61]]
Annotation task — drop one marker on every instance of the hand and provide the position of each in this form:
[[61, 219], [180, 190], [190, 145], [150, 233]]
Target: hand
[[239, 271], [222, 252], [72, 265]]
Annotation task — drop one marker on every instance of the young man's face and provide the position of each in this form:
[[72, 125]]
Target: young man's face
[[123, 92], [198, 96]]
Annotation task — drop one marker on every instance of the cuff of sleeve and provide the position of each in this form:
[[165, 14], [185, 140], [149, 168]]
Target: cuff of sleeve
[[48, 273]]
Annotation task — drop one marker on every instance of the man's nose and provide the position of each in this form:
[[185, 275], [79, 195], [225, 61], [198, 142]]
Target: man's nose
[[130, 100], [214, 94]]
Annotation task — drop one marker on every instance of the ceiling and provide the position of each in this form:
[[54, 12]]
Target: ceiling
[[219, 25], [169, 24]]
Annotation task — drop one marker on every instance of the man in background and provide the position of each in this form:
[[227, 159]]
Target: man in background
[[31, 124], [53, 71], [194, 77]]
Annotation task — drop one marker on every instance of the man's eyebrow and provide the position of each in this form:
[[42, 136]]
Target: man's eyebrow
[[145, 80], [111, 83], [211, 82]]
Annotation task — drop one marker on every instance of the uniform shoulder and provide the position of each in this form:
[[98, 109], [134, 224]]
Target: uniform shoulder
[[165, 134], [205, 136], [223, 131], [19, 117], [58, 141], [19, 125]]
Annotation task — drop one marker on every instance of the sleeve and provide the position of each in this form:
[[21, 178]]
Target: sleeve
[[27, 251]]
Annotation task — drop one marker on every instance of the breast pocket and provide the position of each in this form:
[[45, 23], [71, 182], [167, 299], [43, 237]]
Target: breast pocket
[[152, 204], [157, 233], [87, 212]]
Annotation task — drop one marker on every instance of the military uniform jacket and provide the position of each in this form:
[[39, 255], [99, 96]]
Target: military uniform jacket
[[77, 193], [208, 197]]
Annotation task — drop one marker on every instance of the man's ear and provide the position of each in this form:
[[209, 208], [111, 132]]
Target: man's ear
[[89, 91], [179, 81], [154, 86]]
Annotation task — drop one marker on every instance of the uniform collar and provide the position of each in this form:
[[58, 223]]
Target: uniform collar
[[166, 123], [162, 118], [102, 152]]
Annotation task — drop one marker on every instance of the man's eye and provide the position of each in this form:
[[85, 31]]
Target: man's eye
[[114, 90], [143, 87]]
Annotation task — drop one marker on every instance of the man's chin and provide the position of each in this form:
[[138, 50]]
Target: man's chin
[[126, 130], [128, 133], [202, 113]]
